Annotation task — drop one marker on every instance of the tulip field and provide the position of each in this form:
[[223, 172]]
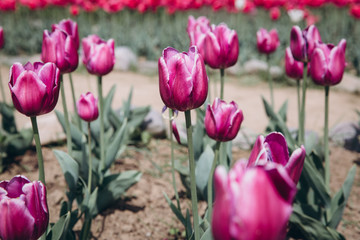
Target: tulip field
[[196, 120]]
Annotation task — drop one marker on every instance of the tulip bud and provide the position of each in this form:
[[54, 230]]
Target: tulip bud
[[267, 42], [34, 88], [222, 120], [1, 37], [302, 43], [221, 47], [252, 203], [328, 63], [58, 47], [98, 55], [70, 27], [197, 29], [23, 209], [293, 68], [183, 81], [87, 107]]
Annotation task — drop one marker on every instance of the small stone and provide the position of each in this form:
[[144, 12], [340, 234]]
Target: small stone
[[346, 134], [125, 58], [154, 124]]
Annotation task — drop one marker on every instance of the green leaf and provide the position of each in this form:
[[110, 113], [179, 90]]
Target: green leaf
[[107, 105], [339, 201], [207, 235], [8, 120], [58, 229], [76, 134], [69, 167], [203, 168], [175, 210], [188, 226]]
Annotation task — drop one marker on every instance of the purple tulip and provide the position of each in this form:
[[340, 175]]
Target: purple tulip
[[197, 30], [183, 81], [98, 55], [70, 27], [58, 47], [1, 37], [293, 68], [267, 42], [328, 63], [273, 148], [34, 88], [87, 107], [222, 120], [302, 43], [23, 209], [221, 49], [252, 203]]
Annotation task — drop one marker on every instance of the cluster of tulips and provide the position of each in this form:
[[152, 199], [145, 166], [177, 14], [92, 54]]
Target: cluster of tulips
[[245, 6], [35, 91]]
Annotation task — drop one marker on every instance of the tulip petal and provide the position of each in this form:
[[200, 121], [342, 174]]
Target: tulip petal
[[235, 123], [48, 50], [200, 80], [183, 86], [318, 66], [14, 187], [295, 164], [257, 154], [210, 123], [336, 65], [165, 92], [15, 71], [297, 43], [277, 148], [212, 50]]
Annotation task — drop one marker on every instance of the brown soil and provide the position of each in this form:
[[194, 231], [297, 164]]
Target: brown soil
[[144, 213]]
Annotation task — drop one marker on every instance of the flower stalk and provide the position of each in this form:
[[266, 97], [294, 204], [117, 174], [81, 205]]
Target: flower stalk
[[172, 159], [102, 140], [74, 101], [222, 82], [210, 180], [326, 138], [38, 149], [66, 116], [303, 103], [270, 81]]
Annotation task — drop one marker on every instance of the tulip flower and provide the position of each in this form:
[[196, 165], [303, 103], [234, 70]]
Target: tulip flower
[[98, 55], [293, 68], [34, 87], [60, 48], [267, 42], [328, 63], [274, 13], [222, 120], [221, 47], [252, 203], [23, 209], [87, 107], [1, 37], [70, 27], [302, 43], [197, 30], [182, 79], [273, 148]]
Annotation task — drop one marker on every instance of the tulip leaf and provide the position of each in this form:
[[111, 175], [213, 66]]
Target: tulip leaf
[[202, 170], [188, 226], [175, 210], [207, 235], [76, 134], [305, 227], [69, 167], [8, 120], [57, 229], [107, 105], [339, 201]]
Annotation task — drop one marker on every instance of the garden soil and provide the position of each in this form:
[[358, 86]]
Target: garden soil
[[143, 212]]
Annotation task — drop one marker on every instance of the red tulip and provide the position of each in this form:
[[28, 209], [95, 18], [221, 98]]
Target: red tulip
[[87, 107], [328, 63], [275, 13], [60, 48], [302, 43], [355, 11], [7, 5], [74, 10], [267, 42], [221, 47], [34, 88], [293, 68], [182, 79], [1, 37], [23, 209], [98, 55], [222, 120], [70, 27]]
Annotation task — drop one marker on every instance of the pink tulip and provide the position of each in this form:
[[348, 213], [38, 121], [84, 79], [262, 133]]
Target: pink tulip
[[273, 148], [1, 37], [60, 48], [87, 107], [98, 55], [252, 203], [222, 120], [267, 42], [328, 63], [221, 49], [197, 30], [23, 209], [70, 27], [302, 43], [34, 88], [183, 81], [293, 68]]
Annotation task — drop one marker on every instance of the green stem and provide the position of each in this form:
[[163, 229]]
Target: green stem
[[38, 149], [270, 82], [90, 161], [172, 160], [298, 105], [74, 101], [192, 174], [326, 138], [66, 116], [102, 142], [210, 181], [302, 129], [222, 83], [2, 88]]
